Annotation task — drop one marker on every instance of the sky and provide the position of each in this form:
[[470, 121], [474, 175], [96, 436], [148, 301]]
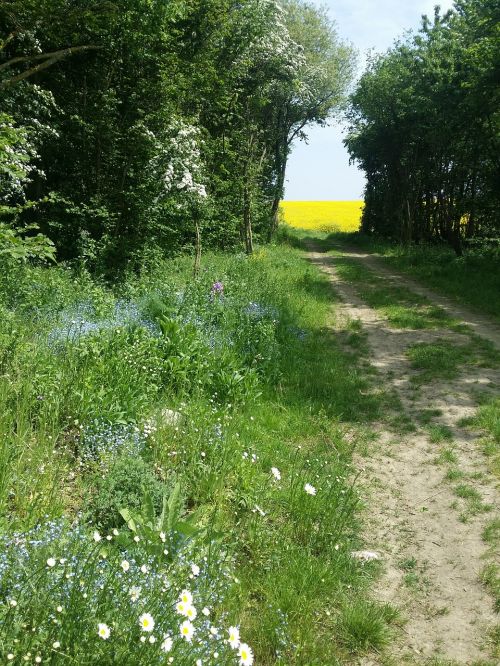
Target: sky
[[320, 170]]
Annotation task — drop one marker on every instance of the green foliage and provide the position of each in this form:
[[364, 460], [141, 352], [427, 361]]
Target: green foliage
[[147, 116], [164, 534], [424, 128], [15, 247], [16, 163], [124, 487]]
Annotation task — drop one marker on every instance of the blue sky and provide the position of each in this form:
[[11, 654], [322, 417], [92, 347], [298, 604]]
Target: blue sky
[[320, 170]]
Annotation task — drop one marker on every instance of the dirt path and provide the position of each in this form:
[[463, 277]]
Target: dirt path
[[478, 323], [432, 553]]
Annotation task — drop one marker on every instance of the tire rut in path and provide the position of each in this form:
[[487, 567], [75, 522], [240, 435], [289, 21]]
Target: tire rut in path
[[410, 514]]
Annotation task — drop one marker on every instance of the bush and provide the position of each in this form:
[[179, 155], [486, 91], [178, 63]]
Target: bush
[[124, 487]]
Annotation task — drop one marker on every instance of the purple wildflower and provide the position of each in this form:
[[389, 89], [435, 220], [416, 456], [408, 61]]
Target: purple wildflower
[[217, 289]]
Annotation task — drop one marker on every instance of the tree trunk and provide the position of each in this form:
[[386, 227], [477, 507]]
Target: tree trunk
[[197, 254], [276, 202], [280, 156], [247, 216]]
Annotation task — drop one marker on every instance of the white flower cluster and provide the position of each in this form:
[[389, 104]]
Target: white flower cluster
[[177, 160], [271, 46], [16, 159]]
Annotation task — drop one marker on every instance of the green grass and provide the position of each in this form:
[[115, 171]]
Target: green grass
[[488, 420], [444, 360], [453, 474], [439, 433], [490, 577], [491, 533], [259, 380], [425, 416], [447, 457], [473, 501], [437, 360], [365, 626]]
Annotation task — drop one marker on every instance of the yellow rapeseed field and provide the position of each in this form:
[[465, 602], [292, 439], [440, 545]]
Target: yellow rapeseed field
[[323, 215]]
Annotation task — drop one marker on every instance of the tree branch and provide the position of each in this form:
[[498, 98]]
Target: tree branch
[[8, 39], [53, 55]]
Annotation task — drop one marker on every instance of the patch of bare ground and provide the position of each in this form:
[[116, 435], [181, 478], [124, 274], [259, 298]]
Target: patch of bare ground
[[431, 548]]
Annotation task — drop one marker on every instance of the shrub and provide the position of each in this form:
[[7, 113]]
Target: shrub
[[125, 485]]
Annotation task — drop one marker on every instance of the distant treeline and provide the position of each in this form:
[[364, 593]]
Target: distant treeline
[[129, 127], [425, 128]]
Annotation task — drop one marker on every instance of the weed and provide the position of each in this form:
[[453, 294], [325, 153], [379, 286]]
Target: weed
[[214, 388], [453, 474], [490, 577], [448, 457], [491, 533], [439, 433], [363, 626], [437, 360]]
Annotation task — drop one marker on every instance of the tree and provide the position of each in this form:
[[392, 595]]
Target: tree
[[425, 128], [322, 69]]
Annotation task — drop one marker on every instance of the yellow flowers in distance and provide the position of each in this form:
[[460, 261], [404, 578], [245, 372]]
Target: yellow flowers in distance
[[323, 215]]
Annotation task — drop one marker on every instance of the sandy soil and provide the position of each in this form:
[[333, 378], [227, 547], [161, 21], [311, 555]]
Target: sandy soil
[[411, 520]]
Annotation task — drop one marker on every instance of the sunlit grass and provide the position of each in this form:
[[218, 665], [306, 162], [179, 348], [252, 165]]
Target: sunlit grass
[[323, 215]]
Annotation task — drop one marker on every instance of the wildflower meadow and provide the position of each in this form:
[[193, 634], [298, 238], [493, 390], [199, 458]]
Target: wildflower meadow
[[176, 486]]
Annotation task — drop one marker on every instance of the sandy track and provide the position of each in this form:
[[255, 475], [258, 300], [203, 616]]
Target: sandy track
[[410, 514]]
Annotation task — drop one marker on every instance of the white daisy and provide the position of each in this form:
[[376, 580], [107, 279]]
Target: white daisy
[[191, 612], [96, 536], [182, 608], [125, 565], [234, 637], [167, 643], [195, 569], [186, 597], [135, 593], [246, 655], [276, 473], [146, 622], [205, 611], [187, 630], [310, 490], [51, 562], [103, 630]]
